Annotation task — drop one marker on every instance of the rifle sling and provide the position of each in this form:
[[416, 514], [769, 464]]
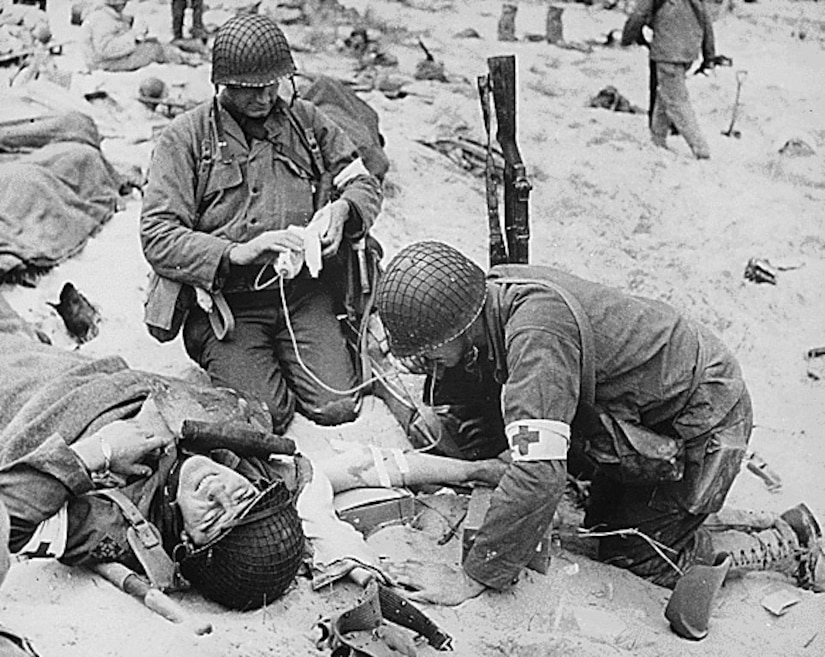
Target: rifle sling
[[587, 386], [145, 541]]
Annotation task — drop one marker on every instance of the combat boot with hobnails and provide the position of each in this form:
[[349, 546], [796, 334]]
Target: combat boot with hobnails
[[792, 545]]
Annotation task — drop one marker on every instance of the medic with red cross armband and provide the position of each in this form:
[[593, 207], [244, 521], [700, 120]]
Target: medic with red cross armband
[[554, 373]]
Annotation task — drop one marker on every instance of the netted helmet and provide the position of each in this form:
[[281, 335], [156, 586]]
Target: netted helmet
[[429, 294], [250, 51], [152, 88], [253, 562]]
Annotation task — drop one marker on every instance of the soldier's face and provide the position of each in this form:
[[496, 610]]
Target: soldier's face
[[210, 497], [449, 354], [254, 102]]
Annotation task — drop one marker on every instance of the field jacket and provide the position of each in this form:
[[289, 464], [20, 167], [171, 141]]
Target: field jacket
[[247, 191], [681, 30], [652, 367]]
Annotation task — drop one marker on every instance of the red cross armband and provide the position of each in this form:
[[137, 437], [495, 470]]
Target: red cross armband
[[538, 440], [49, 539]]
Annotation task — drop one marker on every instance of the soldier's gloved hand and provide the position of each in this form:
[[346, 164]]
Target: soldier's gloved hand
[[265, 247], [122, 447]]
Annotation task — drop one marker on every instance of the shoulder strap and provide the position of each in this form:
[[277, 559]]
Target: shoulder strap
[[323, 190], [145, 541], [587, 391], [307, 137], [207, 152]]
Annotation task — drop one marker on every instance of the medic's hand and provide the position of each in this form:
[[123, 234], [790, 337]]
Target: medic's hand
[[333, 233], [125, 443], [438, 583], [265, 247]]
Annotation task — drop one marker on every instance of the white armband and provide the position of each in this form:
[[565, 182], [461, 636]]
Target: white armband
[[49, 539], [538, 440], [352, 170]]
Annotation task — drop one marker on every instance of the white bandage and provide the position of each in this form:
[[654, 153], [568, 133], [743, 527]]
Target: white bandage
[[538, 440], [312, 239], [49, 539], [380, 468], [204, 299], [352, 170], [401, 461]]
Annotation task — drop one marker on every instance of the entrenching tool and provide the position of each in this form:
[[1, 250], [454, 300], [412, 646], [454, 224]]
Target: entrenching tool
[[730, 132], [130, 582]]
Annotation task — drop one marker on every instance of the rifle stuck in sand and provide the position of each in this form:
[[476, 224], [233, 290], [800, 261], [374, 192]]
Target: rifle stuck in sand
[[501, 84]]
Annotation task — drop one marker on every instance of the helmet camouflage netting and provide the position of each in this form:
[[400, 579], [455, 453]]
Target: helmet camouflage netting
[[250, 51], [255, 561], [429, 294]]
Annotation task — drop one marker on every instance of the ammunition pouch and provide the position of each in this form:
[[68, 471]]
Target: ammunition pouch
[[628, 452], [166, 307]]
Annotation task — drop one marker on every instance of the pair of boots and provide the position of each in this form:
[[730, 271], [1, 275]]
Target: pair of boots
[[178, 13], [790, 544]]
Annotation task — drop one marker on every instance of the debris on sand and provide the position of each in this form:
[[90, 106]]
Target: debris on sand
[[796, 147], [760, 270], [428, 68], [609, 98], [80, 317]]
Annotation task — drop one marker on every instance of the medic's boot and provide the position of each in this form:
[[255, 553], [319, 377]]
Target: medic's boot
[[792, 546], [811, 572]]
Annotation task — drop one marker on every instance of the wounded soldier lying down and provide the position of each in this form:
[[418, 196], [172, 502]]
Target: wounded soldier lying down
[[87, 456]]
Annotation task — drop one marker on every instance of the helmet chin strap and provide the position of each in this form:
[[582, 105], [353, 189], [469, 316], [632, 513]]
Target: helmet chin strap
[[471, 358]]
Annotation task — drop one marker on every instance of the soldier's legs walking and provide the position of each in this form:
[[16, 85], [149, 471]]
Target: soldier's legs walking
[[198, 30], [178, 11], [672, 105]]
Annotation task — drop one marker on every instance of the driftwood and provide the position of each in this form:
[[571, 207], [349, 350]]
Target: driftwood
[[609, 98]]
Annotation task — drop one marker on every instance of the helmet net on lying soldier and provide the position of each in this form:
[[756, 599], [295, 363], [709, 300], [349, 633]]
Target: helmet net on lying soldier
[[253, 562]]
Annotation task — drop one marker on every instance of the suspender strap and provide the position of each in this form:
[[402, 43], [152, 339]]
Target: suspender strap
[[307, 137], [145, 541], [323, 190]]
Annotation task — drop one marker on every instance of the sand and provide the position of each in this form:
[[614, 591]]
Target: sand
[[606, 205]]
